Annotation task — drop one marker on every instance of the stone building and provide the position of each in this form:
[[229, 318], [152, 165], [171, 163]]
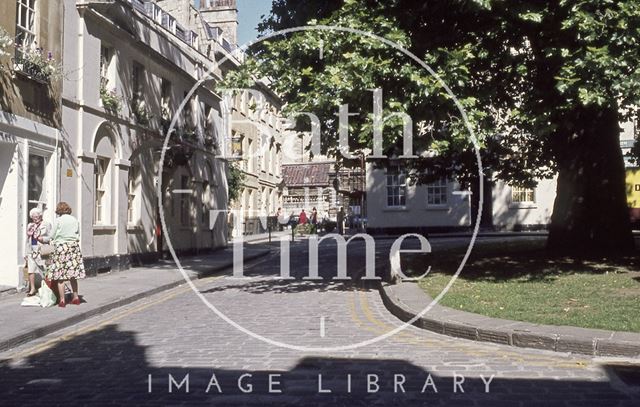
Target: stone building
[[257, 135], [132, 67], [31, 33]]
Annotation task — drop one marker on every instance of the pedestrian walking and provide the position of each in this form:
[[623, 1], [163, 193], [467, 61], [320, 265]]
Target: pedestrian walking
[[280, 219], [340, 221], [37, 233], [313, 219], [303, 218], [66, 260], [230, 222]]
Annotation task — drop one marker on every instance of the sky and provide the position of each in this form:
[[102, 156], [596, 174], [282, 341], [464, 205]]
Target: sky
[[249, 12]]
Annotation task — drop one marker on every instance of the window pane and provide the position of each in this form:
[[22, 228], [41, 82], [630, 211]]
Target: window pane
[[36, 177]]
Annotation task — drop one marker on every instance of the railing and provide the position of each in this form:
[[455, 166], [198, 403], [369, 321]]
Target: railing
[[181, 33], [351, 181], [154, 11], [30, 69], [168, 22], [139, 5], [227, 45]]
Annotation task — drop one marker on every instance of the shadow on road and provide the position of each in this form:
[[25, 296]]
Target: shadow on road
[[109, 366]]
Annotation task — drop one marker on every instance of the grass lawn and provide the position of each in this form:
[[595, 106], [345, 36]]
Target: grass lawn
[[521, 281]]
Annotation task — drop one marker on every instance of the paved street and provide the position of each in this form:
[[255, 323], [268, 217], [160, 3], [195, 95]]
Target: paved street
[[130, 355]]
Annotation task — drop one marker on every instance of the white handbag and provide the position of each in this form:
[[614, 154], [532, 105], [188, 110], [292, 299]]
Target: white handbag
[[46, 250]]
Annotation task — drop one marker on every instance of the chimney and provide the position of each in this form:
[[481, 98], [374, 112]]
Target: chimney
[[222, 14]]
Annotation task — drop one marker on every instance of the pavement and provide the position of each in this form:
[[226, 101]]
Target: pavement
[[406, 300], [109, 291], [171, 349]]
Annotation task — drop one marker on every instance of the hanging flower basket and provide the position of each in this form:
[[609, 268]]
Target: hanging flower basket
[[37, 65], [110, 99]]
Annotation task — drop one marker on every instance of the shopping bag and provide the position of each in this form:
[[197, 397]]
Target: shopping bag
[[46, 250], [47, 297]]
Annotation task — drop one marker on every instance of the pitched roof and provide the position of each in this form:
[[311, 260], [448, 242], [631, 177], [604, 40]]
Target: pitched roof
[[306, 175]]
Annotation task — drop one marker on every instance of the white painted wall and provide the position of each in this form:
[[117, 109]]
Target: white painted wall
[[416, 212], [509, 215], [20, 137]]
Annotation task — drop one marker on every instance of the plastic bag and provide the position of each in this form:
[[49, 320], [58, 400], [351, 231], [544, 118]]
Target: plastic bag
[[47, 297]]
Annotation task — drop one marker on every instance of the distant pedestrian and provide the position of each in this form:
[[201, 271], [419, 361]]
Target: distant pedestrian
[[302, 220], [66, 259], [230, 222], [313, 219], [279, 219], [340, 221], [37, 233]]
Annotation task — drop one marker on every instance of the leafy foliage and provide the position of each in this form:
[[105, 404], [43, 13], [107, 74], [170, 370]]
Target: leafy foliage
[[6, 41], [518, 70], [235, 182], [110, 98]]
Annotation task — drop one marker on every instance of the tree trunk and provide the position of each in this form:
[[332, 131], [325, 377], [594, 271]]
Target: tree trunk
[[590, 213]]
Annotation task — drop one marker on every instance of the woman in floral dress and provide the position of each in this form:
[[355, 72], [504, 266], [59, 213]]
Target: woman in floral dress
[[66, 259]]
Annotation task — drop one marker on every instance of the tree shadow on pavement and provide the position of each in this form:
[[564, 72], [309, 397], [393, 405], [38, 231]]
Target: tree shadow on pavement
[[109, 366], [526, 261], [264, 286]]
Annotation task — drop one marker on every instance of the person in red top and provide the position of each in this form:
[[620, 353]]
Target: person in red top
[[303, 218]]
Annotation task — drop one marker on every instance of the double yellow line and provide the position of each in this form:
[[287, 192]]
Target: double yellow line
[[378, 327]]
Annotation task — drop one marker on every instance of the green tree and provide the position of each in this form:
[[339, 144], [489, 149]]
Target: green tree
[[235, 182], [544, 84]]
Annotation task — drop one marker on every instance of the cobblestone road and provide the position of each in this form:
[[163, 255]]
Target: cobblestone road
[[150, 352]]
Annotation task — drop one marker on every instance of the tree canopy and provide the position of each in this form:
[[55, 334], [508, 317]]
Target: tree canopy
[[544, 86]]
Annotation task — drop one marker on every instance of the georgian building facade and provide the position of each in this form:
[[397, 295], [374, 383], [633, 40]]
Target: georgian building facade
[[137, 71], [140, 70], [30, 122], [257, 138]]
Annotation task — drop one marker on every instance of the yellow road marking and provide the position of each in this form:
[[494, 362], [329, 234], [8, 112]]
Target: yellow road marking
[[411, 338], [91, 328]]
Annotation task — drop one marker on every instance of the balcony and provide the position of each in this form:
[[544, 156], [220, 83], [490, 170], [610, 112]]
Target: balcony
[[350, 181], [139, 5], [35, 65]]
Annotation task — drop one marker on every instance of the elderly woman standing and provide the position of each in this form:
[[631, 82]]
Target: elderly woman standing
[[37, 232], [66, 260]]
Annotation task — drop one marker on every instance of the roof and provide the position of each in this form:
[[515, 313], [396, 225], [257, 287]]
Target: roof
[[306, 175]]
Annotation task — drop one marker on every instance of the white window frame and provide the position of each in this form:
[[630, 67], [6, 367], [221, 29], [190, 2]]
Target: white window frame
[[396, 188], [107, 67], [517, 193], [27, 28], [438, 193], [133, 196], [102, 184], [523, 197], [43, 200]]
